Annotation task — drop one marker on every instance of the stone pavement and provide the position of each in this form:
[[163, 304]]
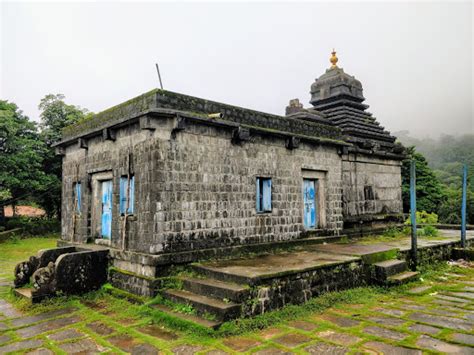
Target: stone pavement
[[421, 320]]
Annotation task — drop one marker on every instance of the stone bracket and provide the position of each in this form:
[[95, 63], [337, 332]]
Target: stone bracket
[[179, 124], [109, 134], [61, 151], [292, 142], [240, 135], [145, 123], [82, 143]]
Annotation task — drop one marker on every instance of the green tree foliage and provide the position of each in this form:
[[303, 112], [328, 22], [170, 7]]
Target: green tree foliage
[[55, 115], [429, 190], [21, 154], [446, 156]]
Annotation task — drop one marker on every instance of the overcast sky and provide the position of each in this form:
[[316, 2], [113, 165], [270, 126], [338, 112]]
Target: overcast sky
[[414, 59]]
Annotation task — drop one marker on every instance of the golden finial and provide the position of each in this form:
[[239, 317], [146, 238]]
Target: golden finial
[[333, 59]]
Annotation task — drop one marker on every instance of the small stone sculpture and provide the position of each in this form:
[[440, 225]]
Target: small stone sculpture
[[24, 270], [44, 279]]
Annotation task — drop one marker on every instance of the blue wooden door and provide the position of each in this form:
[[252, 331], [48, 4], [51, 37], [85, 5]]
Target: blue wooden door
[[309, 197], [106, 209]]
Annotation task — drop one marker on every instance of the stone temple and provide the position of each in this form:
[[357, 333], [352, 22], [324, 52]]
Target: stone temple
[[167, 178]]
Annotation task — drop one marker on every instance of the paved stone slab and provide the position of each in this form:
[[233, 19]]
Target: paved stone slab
[[343, 322], [326, 349], [463, 338], [389, 321], [468, 295], [8, 310], [441, 321], [292, 339], [123, 342], [187, 349], [413, 307], [422, 328], [339, 338], [67, 334], [449, 304], [158, 332], [385, 333], [144, 349], [353, 249], [217, 352], [269, 333], [47, 326], [468, 289], [100, 328], [388, 349], [21, 345], [40, 317], [390, 312], [3, 326], [83, 346], [303, 325], [240, 343], [427, 342], [272, 351], [419, 289], [452, 299], [4, 338], [40, 351]]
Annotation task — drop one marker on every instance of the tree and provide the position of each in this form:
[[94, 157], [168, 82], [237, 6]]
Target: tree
[[429, 190], [55, 115], [21, 153]]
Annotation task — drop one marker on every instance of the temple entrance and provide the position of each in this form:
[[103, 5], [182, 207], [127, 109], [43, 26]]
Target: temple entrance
[[309, 198], [106, 220]]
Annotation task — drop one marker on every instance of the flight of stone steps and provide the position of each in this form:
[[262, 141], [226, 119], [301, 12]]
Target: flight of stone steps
[[393, 272]]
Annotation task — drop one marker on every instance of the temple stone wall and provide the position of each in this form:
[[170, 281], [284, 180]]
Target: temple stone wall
[[196, 189], [371, 186]]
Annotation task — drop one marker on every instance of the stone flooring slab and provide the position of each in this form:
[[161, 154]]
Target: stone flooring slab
[[100, 328], [339, 338], [47, 326], [422, 328], [390, 312], [463, 338], [467, 295], [145, 349], [187, 349], [385, 333], [8, 310], [66, 334], [21, 345], [303, 325], [40, 317], [452, 299], [272, 351], [419, 289], [123, 341], [326, 349], [240, 343], [269, 333], [387, 321], [4, 338], [158, 332], [430, 343], [388, 349], [40, 351], [342, 322], [292, 339], [83, 346], [441, 321]]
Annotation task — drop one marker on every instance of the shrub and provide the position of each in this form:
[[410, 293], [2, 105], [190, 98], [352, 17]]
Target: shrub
[[34, 225]]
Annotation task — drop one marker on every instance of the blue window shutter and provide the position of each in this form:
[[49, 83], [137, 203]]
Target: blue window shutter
[[267, 195], [78, 197], [131, 195], [123, 194], [258, 198]]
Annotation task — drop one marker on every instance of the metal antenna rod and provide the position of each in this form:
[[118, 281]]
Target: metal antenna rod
[[159, 76]]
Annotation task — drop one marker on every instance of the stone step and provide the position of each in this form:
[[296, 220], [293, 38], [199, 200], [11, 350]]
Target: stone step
[[188, 317], [203, 305], [402, 277], [384, 269], [216, 289], [221, 275]]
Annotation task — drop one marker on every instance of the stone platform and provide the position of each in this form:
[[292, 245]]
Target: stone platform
[[251, 285]]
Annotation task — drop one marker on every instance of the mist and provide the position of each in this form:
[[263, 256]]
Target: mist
[[414, 59]]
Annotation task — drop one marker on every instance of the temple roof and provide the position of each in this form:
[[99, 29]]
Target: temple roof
[[339, 96]]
